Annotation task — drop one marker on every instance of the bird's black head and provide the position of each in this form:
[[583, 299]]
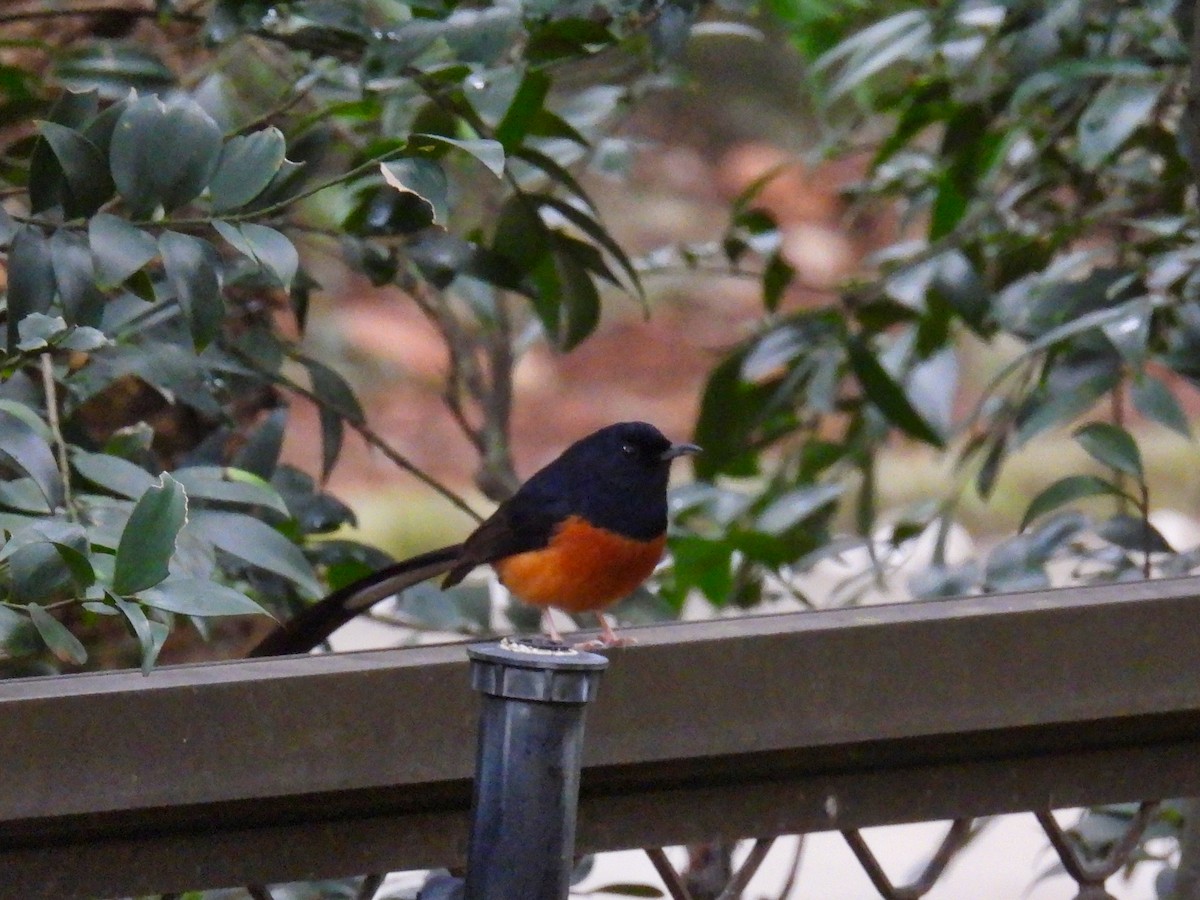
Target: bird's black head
[[615, 477]]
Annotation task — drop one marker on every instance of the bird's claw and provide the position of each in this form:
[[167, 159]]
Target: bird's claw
[[600, 644]]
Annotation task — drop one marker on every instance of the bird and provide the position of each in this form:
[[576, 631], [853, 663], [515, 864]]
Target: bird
[[583, 532]]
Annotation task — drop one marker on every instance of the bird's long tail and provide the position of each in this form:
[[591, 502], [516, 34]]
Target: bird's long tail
[[314, 624]]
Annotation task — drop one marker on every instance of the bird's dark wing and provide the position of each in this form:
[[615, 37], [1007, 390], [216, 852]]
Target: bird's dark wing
[[314, 624]]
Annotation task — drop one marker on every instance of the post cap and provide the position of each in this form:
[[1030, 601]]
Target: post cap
[[535, 669]]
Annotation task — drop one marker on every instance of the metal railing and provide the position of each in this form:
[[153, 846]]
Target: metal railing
[[312, 767]]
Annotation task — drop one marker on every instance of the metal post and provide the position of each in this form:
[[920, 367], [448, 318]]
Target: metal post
[[527, 767]]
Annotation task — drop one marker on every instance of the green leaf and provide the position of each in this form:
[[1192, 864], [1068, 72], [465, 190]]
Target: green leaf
[[258, 544], [949, 206], [112, 68], [427, 184], [148, 539], [31, 282], [777, 275], [555, 173], [522, 111], [1154, 400], [112, 473], [37, 331], [84, 339], [226, 485], [247, 164], [1118, 109], [625, 889], [192, 277], [595, 231], [84, 166], [793, 507], [75, 275], [886, 394], [908, 37], [150, 635], [47, 184], [24, 448], [39, 573], [703, 564], [1064, 491], [1133, 533], [488, 152], [61, 642], [272, 250], [163, 155], [118, 249], [337, 403], [199, 597], [1111, 446]]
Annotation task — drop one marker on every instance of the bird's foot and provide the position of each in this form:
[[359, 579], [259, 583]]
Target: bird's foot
[[602, 643]]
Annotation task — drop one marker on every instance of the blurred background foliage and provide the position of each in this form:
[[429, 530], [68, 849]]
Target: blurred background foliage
[[921, 278], [925, 241]]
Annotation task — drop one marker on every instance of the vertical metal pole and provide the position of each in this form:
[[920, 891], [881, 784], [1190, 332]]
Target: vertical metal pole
[[527, 767]]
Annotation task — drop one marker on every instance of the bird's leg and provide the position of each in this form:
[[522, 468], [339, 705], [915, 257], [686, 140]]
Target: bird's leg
[[607, 635], [548, 622], [608, 638]]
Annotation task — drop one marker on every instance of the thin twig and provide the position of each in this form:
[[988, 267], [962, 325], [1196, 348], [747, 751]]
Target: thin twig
[[675, 886], [794, 870], [50, 391], [371, 437]]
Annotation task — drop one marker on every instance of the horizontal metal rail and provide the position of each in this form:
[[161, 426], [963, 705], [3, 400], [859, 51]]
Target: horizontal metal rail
[[283, 769]]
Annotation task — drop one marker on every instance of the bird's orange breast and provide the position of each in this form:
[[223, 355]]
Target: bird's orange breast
[[582, 569]]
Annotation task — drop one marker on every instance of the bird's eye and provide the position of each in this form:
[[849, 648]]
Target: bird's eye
[[628, 449]]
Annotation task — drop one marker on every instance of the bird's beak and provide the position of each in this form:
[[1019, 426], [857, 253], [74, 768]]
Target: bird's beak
[[679, 450]]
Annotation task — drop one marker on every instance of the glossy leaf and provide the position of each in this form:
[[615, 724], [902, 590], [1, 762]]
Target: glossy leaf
[[269, 248], [118, 249], [425, 181], [556, 173], [488, 152], [523, 110], [1111, 446], [246, 166], [37, 330], [58, 638], [887, 395], [219, 484], [163, 155], [199, 597], [1156, 402], [31, 281], [47, 183], [1064, 491], [1133, 533], [596, 232], [75, 276], [89, 183], [1116, 111], [112, 473], [22, 447], [148, 539], [193, 278], [112, 68], [794, 506], [150, 635], [258, 544]]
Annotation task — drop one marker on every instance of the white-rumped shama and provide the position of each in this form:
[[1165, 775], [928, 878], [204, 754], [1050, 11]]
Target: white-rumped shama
[[580, 534]]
